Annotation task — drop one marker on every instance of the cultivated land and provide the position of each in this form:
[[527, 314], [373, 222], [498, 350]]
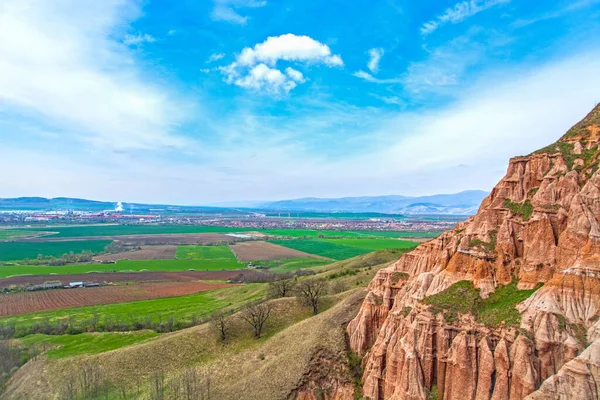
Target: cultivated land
[[374, 244], [23, 280], [183, 308], [120, 230], [46, 300], [293, 264], [205, 253], [265, 251], [292, 337], [322, 248], [21, 250], [165, 252], [11, 234], [149, 239], [125, 265]]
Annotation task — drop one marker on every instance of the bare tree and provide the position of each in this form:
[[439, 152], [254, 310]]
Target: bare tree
[[221, 324], [256, 314], [311, 291], [281, 287]]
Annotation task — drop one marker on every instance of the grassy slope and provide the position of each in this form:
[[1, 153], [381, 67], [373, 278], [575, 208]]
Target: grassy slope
[[21, 250], [293, 264], [182, 308], [86, 343], [240, 365]]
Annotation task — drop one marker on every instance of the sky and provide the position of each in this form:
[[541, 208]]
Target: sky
[[204, 102]]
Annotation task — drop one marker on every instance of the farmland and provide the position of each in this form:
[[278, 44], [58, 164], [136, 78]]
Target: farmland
[[11, 234], [145, 253], [124, 265], [21, 250], [265, 251], [47, 300], [322, 248], [205, 253], [373, 244], [143, 276], [121, 230], [293, 264], [183, 308]]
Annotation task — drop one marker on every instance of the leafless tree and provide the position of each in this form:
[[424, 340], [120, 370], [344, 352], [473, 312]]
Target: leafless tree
[[311, 291], [221, 324], [256, 314], [281, 287]]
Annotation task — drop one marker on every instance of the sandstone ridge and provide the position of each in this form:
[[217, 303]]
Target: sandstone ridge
[[507, 304]]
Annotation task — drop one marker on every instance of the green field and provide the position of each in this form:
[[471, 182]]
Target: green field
[[6, 234], [112, 230], [322, 248], [21, 250], [122, 266], [292, 264], [183, 308], [86, 343], [374, 244], [223, 253], [396, 234]]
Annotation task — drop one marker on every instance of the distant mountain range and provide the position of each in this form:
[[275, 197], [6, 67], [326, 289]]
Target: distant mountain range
[[463, 203]]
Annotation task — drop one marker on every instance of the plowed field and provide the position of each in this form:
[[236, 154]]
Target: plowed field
[[46, 300]]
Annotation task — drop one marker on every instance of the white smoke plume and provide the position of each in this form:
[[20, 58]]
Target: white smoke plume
[[119, 207]]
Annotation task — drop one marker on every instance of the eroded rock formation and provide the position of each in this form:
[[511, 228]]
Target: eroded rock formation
[[539, 227]]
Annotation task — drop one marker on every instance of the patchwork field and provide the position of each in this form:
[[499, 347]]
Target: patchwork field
[[124, 265], [205, 253], [261, 251], [373, 244], [11, 234], [146, 253], [155, 239], [293, 264], [46, 300], [118, 230], [21, 250], [322, 248], [23, 280], [183, 308]]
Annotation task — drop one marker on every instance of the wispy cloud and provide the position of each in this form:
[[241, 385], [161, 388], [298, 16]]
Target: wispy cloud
[[136, 40], [574, 6], [370, 78], [375, 56], [215, 57], [227, 10], [458, 13], [256, 68], [62, 67]]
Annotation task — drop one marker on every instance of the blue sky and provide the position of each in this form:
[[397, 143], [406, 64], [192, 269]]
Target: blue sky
[[201, 102]]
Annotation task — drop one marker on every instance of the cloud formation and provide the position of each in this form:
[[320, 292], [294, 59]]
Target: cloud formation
[[227, 10], [458, 13], [62, 67], [215, 57], [255, 68], [375, 56], [136, 40]]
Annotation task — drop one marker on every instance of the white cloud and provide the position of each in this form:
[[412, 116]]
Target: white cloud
[[288, 48], [458, 13], [370, 78], [138, 39], [215, 57], [375, 56], [205, 70], [294, 74], [226, 10], [171, 32], [61, 67]]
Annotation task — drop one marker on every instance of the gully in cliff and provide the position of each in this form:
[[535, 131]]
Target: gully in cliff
[[507, 304]]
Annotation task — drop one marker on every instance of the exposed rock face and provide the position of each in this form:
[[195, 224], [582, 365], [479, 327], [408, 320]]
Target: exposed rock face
[[540, 226]]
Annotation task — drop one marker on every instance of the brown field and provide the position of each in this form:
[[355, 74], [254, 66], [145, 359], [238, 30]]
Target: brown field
[[164, 252], [179, 238], [47, 300], [264, 251], [143, 276]]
